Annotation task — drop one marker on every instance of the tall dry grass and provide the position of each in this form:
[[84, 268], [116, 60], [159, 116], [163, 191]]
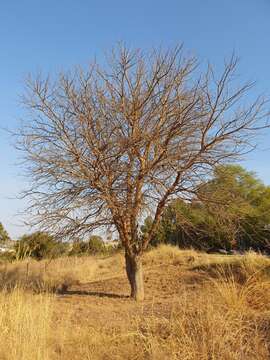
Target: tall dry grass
[[25, 322], [225, 318], [58, 274]]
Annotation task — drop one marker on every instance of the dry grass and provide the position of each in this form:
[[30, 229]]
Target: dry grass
[[53, 275], [198, 307], [25, 322]]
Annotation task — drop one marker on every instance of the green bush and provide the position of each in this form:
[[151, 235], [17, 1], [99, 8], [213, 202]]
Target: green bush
[[38, 245], [96, 245], [93, 246], [4, 237], [79, 248]]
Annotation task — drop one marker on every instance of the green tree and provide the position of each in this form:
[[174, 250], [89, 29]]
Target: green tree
[[4, 237], [232, 210], [38, 245], [240, 211]]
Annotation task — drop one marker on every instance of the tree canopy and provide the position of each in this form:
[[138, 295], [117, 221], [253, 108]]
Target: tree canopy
[[236, 217]]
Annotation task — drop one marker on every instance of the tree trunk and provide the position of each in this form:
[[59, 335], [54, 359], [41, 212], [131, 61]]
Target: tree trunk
[[135, 276]]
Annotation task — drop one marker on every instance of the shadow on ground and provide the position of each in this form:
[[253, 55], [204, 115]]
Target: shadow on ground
[[94, 293]]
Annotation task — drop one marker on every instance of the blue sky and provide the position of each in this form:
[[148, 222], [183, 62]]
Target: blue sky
[[56, 35]]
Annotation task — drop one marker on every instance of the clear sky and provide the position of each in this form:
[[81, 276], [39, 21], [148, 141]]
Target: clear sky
[[54, 35]]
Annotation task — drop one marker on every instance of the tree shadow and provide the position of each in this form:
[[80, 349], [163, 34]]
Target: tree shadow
[[94, 293]]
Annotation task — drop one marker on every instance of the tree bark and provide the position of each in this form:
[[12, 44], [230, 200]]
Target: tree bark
[[135, 276]]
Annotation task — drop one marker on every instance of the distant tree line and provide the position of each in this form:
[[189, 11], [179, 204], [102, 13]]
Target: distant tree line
[[41, 245], [236, 218]]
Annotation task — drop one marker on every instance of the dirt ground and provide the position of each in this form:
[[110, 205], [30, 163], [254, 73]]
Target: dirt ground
[[107, 301]]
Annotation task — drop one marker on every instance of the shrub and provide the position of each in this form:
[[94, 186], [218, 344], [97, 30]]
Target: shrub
[[4, 237], [93, 246], [38, 245], [78, 248]]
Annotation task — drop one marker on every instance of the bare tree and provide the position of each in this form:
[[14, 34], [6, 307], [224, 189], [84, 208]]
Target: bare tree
[[106, 145]]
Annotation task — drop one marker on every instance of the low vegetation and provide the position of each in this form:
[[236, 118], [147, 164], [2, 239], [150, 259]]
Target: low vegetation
[[198, 306], [41, 245]]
